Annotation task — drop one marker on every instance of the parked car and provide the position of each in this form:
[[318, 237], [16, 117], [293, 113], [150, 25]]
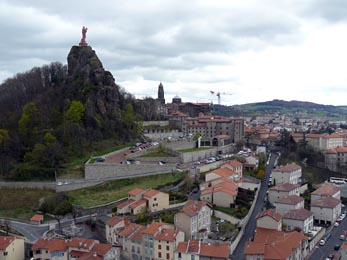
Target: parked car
[[337, 247], [327, 237], [342, 237], [322, 242], [336, 224]]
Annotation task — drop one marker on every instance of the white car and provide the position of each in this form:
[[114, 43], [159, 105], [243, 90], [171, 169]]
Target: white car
[[336, 224], [322, 242]]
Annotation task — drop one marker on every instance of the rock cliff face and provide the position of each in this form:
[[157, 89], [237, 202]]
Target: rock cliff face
[[89, 82]]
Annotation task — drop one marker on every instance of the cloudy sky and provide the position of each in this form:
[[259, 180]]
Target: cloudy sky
[[248, 50]]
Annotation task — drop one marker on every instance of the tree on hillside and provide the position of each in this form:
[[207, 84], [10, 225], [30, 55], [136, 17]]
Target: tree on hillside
[[57, 205]]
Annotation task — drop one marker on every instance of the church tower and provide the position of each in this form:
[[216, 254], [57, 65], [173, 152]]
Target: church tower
[[161, 97]]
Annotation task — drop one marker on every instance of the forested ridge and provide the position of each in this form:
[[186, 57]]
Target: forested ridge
[[57, 112]]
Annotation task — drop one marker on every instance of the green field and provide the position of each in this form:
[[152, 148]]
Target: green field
[[20, 203], [115, 190]]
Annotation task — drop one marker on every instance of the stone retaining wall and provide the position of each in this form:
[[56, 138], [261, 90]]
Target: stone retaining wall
[[36, 185], [104, 171], [160, 123], [227, 217], [180, 145]]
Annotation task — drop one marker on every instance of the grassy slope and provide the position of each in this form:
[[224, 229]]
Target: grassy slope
[[20, 203], [115, 190]]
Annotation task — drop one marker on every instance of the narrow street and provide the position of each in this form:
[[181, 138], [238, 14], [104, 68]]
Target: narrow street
[[251, 225]]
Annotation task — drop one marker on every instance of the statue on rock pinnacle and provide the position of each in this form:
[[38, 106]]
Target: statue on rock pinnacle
[[84, 35]]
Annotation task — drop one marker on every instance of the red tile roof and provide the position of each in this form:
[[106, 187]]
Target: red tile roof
[[288, 168], [341, 149], [271, 213], [214, 250], [274, 244], [135, 192], [150, 193], [113, 221], [222, 136], [84, 243], [137, 235], [235, 163], [223, 172], [5, 241], [129, 229], [225, 187], [37, 217], [326, 189], [51, 245], [291, 200], [152, 228], [325, 202], [193, 207], [138, 203], [210, 250], [284, 187], [125, 203], [298, 214], [167, 235]]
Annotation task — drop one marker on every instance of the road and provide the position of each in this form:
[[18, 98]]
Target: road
[[251, 225], [33, 232], [322, 252]]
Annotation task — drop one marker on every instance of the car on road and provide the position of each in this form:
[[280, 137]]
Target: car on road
[[342, 237], [322, 242], [336, 224], [100, 159], [328, 236], [337, 247]]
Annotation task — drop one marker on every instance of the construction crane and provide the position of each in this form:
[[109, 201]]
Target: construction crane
[[218, 94]]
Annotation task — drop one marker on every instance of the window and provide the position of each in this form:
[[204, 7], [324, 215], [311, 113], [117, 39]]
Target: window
[[155, 199], [159, 246], [167, 256], [159, 255], [167, 247], [5, 253]]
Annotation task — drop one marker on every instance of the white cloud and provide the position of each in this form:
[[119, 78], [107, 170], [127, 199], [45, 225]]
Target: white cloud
[[257, 50]]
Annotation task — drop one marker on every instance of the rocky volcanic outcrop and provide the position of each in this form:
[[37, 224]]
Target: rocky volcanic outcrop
[[89, 82]]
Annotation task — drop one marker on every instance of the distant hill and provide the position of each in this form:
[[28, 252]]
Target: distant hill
[[281, 106]]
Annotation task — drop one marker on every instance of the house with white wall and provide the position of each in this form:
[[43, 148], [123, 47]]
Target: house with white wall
[[269, 219], [326, 210], [291, 202], [298, 219], [194, 219], [290, 173], [283, 190]]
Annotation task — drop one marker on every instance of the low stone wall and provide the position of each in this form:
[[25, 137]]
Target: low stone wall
[[160, 123], [210, 166], [157, 136], [158, 159], [180, 145], [108, 171], [36, 185], [100, 210], [75, 184], [204, 154], [229, 218]]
